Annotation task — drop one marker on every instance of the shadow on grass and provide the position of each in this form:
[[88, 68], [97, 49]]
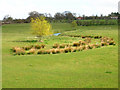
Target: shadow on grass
[[26, 41]]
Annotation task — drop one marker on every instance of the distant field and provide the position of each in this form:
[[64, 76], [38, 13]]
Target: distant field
[[96, 68]]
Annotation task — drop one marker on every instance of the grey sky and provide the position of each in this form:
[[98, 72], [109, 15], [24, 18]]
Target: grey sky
[[21, 8]]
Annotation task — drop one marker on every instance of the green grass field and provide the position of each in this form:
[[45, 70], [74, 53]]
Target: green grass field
[[96, 68]]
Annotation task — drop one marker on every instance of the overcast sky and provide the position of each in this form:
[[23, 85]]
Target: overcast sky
[[21, 8]]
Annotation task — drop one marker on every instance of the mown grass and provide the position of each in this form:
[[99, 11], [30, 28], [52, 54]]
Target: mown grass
[[0, 57], [96, 68]]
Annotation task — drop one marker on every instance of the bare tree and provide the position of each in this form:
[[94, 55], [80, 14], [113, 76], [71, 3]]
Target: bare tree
[[8, 19]]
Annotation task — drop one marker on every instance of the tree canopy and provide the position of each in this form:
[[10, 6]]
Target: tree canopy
[[40, 26]]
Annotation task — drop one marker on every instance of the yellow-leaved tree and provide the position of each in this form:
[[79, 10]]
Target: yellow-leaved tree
[[41, 27]]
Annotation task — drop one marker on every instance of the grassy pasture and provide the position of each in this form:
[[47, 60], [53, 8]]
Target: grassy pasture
[[96, 68]]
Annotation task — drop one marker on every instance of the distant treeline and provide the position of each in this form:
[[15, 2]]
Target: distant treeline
[[67, 17], [96, 22]]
